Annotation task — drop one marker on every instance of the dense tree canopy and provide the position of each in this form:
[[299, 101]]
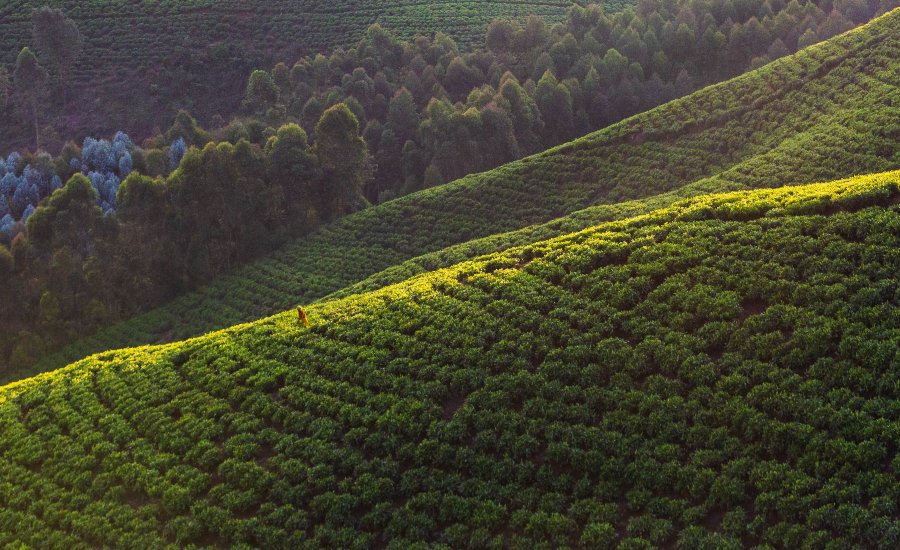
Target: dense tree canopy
[[142, 62], [262, 92], [426, 105], [342, 157], [137, 226], [292, 167]]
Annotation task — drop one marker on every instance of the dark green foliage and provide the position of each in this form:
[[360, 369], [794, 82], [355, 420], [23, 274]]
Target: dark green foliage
[[57, 37], [5, 89], [403, 118], [665, 365], [59, 250], [835, 114], [292, 167], [456, 106], [68, 211], [342, 157], [716, 374], [555, 104], [223, 207], [142, 61], [186, 127], [6, 262], [595, 68], [224, 204], [262, 92], [29, 79], [145, 203]]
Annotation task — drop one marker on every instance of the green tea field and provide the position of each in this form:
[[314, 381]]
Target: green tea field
[[830, 111], [720, 373]]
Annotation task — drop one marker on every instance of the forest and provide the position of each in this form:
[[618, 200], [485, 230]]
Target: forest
[[451, 112], [101, 246], [432, 113], [133, 65]]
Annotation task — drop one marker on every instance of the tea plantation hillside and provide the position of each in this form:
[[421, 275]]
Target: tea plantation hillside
[[143, 61], [720, 374], [830, 111], [145, 32]]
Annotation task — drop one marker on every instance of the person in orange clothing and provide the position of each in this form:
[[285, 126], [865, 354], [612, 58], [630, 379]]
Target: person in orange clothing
[[303, 318]]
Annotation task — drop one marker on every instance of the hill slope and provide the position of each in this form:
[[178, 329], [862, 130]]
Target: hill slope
[[143, 61], [260, 26], [830, 111], [720, 373]]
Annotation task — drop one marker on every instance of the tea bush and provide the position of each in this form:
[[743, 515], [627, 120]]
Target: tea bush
[[716, 373]]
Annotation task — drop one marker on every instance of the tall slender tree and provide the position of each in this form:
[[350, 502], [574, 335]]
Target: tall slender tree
[[57, 37], [292, 170], [5, 88], [30, 79], [342, 155], [555, 103]]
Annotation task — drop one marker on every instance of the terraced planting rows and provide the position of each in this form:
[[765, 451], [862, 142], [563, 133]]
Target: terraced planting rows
[[714, 374], [830, 111], [134, 41], [138, 33], [144, 61]]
